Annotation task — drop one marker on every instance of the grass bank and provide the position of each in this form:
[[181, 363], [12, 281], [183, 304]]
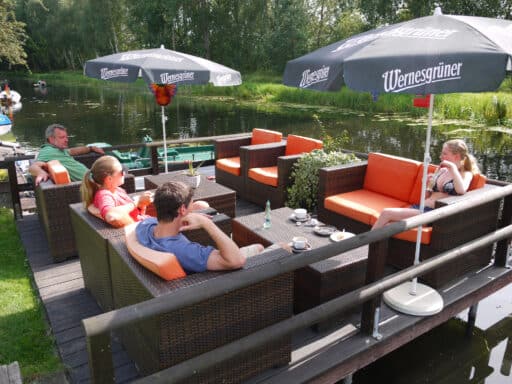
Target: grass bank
[[264, 90], [24, 335]]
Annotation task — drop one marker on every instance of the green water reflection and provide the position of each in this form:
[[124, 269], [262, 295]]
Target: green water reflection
[[120, 115]]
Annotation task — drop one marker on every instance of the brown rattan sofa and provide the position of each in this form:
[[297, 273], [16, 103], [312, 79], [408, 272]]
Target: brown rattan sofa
[[229, 169], [269, 168], [342, 183], [52, 206], [168, 339], [91, 235]]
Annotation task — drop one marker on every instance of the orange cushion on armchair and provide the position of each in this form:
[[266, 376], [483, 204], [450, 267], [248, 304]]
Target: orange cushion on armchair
[[58, 173], [296, 145], [265, 175], [264, 136], [230, 165]]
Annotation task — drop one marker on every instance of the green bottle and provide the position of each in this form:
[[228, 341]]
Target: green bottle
[[267, 224]]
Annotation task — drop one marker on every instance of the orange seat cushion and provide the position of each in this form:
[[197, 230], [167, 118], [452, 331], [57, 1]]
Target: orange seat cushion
[[264, 136], [163, 264], [391, 176], [361, 205], [230, 165], [296, 145], [415, 196], [266, 175], [478, 181], [410, 235], [58, 173]]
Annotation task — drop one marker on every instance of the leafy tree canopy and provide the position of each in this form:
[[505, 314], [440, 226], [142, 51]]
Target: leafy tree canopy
[[12, 36]]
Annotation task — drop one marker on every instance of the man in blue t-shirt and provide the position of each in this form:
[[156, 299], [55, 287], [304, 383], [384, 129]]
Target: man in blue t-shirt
[[56, 148], [172, 202]]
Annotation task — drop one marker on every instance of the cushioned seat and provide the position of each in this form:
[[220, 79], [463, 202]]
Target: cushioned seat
[[269, 169], [228, 168]]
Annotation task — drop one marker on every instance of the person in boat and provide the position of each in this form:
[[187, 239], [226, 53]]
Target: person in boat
[[56, 148], [101, 187], [453, 177]]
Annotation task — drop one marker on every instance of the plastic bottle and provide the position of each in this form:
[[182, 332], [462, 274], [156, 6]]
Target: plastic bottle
[[267, 224]]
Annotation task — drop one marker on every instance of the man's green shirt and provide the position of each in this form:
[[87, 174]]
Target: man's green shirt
[[75, 168]]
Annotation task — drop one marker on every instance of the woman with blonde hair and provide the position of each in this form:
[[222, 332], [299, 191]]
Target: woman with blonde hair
[[453, 177], [101, 189]]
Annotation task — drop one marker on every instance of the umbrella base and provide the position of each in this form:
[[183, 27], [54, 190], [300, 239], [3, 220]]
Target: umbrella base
[[425, 302]]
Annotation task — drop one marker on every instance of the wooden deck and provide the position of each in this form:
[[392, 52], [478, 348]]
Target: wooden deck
[[323, 356]]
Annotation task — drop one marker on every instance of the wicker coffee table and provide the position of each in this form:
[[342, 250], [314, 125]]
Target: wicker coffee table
[[318, 282], [219, 197]]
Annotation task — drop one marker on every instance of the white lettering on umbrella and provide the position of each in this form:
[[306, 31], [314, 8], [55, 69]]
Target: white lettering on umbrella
[[416, 33], [135, 56], [310, 78], [396, 81], [168, 78], [223, 79], [106, 73]]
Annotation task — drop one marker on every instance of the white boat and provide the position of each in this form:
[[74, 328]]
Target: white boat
[[10, 101], [5, 124]]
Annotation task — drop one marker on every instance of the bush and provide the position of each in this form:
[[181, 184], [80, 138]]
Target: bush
[[304, 185]]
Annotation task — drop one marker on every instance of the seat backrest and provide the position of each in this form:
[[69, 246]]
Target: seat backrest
[[264, 136], [296, 145], [58, 173], [391, 176], [478, 181]]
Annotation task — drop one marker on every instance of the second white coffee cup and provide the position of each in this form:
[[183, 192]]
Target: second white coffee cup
[[299, 242]]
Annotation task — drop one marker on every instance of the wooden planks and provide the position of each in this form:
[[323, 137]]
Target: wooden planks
[[66, 302], [10, 374]]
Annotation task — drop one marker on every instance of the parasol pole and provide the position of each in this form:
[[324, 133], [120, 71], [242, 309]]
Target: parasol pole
[[411, 297], [164, 119]]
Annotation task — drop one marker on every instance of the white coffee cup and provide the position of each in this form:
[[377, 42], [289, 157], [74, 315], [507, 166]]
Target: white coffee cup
[[300, 213], [299, 242]]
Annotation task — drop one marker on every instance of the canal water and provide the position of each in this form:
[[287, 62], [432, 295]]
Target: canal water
[[122, 115]]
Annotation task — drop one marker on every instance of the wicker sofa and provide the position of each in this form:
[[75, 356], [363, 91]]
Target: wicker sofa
[[168, 339], [269, 168], [352, 196], [52, 203], [92, 234]]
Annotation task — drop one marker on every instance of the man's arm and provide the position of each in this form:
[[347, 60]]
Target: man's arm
[[38, 170], [75, 151], [228, 255]]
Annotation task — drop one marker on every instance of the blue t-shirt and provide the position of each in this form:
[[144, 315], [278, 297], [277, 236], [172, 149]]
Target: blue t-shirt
[[192, 256]]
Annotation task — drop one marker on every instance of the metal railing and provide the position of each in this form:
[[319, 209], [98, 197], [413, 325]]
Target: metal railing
[[98, 328]]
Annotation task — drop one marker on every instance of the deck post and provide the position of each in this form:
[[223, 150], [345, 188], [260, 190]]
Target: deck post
[[154, 161], [471, 319], [101, 365], [500, 258], [377, 253], [15, 193]]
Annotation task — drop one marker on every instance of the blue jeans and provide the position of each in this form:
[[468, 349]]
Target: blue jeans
[[425, 208]]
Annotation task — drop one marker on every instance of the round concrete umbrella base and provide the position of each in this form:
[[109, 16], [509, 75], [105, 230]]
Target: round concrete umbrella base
[[425, 302]]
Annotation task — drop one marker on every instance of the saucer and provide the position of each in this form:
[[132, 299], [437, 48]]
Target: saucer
[[293, 218], [324, 230], [295, 250], [338, 236]]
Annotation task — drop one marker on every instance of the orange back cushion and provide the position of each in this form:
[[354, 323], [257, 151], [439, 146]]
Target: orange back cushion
[[478, 181], [58, 173], [391, 175], [414, 198], [296, 145], [264, 136], [163, 264]]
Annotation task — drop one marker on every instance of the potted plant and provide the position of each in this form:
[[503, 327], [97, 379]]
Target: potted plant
[[193, 174], [303, 189]]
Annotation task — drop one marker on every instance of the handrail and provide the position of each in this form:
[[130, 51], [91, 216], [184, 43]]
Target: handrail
[[312, 316], [98, 328]]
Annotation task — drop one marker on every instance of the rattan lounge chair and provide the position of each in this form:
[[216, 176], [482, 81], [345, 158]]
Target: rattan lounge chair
[[168, 339]]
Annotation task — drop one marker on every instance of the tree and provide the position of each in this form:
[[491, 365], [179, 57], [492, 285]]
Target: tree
[[12, 36]]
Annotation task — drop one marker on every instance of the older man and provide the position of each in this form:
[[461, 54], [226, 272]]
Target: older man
[[56, 148]]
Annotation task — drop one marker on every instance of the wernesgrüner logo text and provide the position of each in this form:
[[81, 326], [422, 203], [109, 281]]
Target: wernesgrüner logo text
[[396, 81], [106, 73], [310, 78], [168, 78]]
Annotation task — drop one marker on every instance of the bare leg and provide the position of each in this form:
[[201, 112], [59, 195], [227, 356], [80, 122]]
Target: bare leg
[[394, 214]]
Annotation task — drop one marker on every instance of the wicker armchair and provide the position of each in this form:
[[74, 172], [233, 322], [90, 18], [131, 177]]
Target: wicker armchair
[[171, 338], [269, 168], [92, 235], [52, 206], [228, 167], [445, 234]]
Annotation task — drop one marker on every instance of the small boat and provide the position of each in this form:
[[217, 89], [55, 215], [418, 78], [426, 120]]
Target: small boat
[[5, 124], [10, 100], [40, 84]]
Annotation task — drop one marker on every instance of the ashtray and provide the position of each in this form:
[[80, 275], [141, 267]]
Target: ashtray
[[324, 230]]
